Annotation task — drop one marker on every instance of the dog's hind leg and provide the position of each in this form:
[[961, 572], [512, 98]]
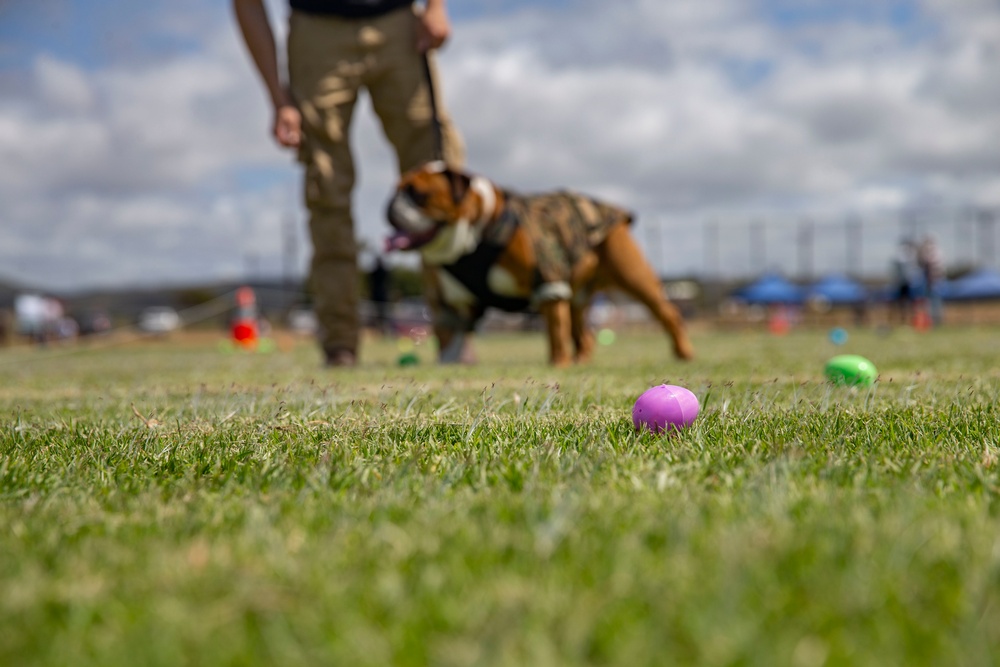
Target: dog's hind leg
[[558, 321], [581, 281], [583, 336], [630, 271]]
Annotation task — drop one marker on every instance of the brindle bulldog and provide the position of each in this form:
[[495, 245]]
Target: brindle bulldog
[[486, 247]]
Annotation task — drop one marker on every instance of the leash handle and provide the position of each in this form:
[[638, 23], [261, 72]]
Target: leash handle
[[435, 119]]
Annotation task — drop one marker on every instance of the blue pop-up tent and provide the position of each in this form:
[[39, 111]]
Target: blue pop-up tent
[[837, 288], [980, 284], [771, 289]]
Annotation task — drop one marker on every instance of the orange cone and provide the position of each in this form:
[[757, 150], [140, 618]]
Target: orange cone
[[779, 323], [921, 316], [245, 329]]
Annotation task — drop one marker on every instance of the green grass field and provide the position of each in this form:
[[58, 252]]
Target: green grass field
[[170, 504]]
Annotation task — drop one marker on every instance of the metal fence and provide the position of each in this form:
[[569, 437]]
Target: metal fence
[[805, 248]]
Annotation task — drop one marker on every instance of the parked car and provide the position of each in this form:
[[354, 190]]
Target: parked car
[[302, 320], [159, 320]]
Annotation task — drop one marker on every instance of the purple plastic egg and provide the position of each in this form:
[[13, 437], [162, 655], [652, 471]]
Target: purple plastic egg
[[665, 408]]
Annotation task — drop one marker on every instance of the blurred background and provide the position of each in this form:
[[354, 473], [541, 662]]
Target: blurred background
[[799, 138]]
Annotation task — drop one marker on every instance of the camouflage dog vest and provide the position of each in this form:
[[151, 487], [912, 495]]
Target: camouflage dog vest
[[563, 227]]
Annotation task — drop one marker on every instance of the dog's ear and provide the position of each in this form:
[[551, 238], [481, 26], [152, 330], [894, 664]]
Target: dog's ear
[[460, 183]]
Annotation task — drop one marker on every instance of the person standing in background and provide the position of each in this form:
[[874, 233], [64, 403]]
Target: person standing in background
[[336, 48], [932, 267], [907, 280]]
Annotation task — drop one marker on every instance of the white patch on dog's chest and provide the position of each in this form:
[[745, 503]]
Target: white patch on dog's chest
[[502, 282], [451, 243]]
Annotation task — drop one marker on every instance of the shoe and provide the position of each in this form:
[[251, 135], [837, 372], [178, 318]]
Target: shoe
[[340, 357]]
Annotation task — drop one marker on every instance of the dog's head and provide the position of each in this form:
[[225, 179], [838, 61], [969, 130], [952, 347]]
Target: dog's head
[[439, 211]]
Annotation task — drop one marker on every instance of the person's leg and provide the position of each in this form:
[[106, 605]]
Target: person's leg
[[902, 304], [937, 306], [323, 70], [401, 97]]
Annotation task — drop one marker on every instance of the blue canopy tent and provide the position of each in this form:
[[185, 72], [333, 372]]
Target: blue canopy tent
[[980, 284], [771, 289], [838, 289]]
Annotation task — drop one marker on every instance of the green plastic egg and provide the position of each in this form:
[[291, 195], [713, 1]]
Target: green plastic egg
[[851, 369]]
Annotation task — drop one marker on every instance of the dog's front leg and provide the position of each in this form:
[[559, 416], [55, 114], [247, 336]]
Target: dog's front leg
[[455, 347], [558, 323], [451, 328], [454, 336]]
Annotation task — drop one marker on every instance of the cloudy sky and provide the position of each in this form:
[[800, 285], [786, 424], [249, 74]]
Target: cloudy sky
[[134, 142]]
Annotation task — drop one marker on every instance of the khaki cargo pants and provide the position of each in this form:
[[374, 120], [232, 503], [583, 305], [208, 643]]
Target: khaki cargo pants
[[329, 60]]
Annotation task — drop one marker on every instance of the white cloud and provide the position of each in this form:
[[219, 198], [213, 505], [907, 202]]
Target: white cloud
[[62, 85], [880, 198], [684, 111]]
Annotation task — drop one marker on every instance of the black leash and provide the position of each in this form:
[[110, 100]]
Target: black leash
[[435, 120]]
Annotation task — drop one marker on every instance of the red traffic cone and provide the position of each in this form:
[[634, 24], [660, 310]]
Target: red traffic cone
[[780, 322], [245, 329], [922, 317]]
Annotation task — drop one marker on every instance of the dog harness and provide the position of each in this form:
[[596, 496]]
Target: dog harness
[[563, 226], [473, 269]]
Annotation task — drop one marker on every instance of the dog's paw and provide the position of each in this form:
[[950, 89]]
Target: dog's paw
[[684, 350], [458, 351]]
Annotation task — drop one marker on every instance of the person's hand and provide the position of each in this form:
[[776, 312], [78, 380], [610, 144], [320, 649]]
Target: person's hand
[[433, 28], [287, 126]]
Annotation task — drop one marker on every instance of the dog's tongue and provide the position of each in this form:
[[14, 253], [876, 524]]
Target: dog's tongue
[[398, 241]]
